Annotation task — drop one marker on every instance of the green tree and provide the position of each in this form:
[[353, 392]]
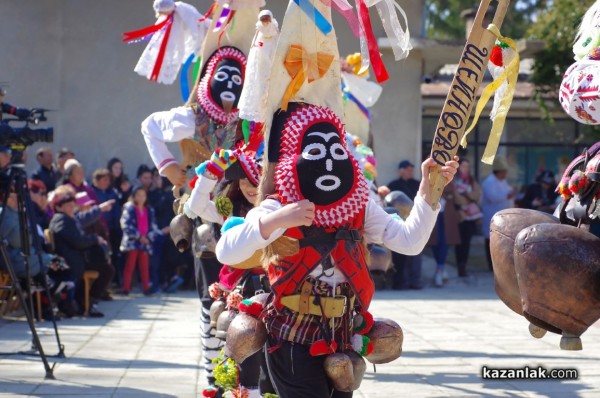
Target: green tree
[[556, 27], [444, 19]]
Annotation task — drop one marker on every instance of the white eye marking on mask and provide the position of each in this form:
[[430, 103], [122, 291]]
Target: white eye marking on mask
[[338, 152], [314, 152]]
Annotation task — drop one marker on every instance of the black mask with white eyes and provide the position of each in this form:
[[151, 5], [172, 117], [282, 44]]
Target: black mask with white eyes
[[226, 83], [324, 168]]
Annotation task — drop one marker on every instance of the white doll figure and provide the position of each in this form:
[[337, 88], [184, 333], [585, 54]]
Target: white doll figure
[[253, 102], [169, 47]]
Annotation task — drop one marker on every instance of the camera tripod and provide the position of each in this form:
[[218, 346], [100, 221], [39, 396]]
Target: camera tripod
[[16, 176]]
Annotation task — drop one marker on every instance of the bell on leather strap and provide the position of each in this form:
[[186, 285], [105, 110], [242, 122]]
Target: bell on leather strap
[[246, 336], [338, 367], [400, 201], [203, 241], [181, 232], [557, 269], [386, 337], [223, 323], [504, 228], [216, 308], [359, 366], [380, 258]]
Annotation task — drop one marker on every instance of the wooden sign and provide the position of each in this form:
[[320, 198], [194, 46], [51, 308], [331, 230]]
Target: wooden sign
[[463, 92]]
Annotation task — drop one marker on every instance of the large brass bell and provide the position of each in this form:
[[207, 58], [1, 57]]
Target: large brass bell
[[246, 336], [223, 323], [204, 241], [181, 228], [558, 271], [386, 337], [338, 367], [216, 308], [504, 228], [400, 201], [380, 258]]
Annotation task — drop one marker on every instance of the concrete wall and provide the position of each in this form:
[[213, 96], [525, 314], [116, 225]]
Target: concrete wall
[[67, 55]]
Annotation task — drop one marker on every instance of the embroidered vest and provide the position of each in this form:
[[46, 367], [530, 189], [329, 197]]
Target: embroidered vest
[[349, 256]]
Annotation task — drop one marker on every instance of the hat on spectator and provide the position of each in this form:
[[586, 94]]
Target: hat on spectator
[[5, 149], [404, 164], [69, 164], [500, 164], [83, 199], [64, 152]]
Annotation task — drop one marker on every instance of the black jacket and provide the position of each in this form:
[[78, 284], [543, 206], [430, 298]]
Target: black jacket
[[70, 241]]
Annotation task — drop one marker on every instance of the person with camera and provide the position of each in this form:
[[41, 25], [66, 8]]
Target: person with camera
[[21, 113]]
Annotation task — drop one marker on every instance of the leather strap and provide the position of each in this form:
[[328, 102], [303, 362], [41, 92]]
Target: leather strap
[[304, 299], [333, 307]]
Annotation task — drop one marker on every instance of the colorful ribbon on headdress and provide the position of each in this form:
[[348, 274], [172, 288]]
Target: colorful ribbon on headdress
[[345, 10], [167, 24], [148, 30], [301, 66], [399, 39], [368, 44], [223, 19], [510, 75], [318, 18], [208, 13]]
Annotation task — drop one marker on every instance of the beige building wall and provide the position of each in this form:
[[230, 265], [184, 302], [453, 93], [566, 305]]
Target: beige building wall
[[67, 55]]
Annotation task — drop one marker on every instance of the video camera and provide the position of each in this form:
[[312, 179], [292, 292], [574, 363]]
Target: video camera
[[24, 136]]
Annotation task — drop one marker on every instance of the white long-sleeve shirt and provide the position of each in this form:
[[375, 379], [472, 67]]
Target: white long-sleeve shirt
[[168, 126], [199, 201], [404, 236]]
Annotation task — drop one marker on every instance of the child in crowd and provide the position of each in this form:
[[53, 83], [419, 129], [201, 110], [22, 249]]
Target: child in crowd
[[139, 230]]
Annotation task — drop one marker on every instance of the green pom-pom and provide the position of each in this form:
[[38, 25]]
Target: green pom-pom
[[224, 206], [225, 373]]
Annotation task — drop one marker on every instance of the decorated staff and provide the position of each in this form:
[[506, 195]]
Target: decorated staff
[[461, 97]]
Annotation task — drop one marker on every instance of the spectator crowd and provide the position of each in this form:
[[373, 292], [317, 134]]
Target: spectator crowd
[[106, 224]]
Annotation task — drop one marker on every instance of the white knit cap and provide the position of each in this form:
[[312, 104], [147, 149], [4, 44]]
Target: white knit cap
[[71, 163], [164, 5]]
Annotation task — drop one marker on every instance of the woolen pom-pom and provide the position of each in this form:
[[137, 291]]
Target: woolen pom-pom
[[233, 300], [224, 206], [577, 182], [320, 347], [563, 188], [215, 291]]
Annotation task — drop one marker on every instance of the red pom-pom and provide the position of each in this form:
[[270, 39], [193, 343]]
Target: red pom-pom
[[215, 291], [369, 349], [496, 56], [577, 182], [320, 347], [363, 322], [563, 188], [251, 307], [209, 392]]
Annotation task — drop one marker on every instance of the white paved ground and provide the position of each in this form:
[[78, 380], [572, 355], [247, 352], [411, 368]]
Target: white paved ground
[[149, 347]]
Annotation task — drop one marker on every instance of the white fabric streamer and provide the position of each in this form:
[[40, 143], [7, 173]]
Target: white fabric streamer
[[399, 39]]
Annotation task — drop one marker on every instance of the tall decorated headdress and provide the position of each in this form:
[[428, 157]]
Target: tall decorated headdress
[[306, 135], [216, 93], [177, 35]]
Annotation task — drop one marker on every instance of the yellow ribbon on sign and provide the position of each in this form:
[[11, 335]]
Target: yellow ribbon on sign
[[301, 66], [510, 75]]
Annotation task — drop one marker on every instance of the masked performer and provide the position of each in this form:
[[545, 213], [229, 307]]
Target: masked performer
[[315, 192], [208, 121]]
